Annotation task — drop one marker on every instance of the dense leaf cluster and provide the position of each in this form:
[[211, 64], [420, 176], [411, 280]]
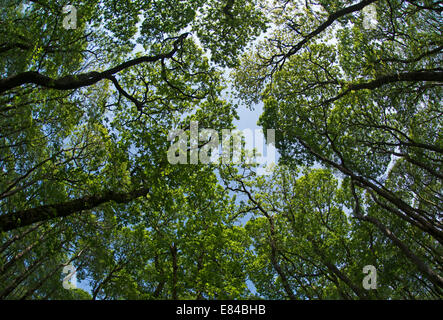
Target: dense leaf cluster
[[84, 178]]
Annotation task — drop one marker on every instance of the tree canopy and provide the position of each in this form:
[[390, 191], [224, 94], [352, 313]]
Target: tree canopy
[[85, 117]]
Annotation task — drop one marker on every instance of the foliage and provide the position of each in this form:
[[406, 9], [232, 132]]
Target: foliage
[[85, 115]]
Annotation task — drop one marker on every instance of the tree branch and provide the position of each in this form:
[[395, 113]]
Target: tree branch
[[14, 220]]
